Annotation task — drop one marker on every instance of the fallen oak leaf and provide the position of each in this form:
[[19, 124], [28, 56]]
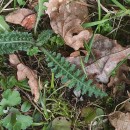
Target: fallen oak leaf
[[24, 17], [24, 72]]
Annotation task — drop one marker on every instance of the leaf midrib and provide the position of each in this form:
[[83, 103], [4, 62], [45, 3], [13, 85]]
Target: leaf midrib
[[67, 71]]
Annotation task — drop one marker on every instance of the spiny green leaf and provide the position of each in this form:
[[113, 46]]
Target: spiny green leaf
[[14, 41], [44, 37], [70, 73]]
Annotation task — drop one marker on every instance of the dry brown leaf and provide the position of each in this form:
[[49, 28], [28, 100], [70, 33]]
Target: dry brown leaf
[[66, 17], [120, 120], [23, 17], [108, 53], [24, 72]]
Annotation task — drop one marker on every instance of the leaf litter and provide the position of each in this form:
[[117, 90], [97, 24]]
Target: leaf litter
[[24, 72], [66, 18], [107, 54]]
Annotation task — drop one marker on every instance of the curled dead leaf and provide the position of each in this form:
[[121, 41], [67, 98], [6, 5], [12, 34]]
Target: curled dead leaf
[[66, 17], [24, 72]]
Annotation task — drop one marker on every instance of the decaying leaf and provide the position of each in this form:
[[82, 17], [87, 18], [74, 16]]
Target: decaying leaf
[[66, 17], [23, 17], [24, 72], [120, 120], [61, 123], [107, 54]]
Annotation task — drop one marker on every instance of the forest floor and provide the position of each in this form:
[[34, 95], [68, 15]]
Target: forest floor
[[41, 89]]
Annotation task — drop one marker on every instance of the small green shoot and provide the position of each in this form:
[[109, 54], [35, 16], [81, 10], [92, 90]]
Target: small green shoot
[[88, 47], [33, 51]]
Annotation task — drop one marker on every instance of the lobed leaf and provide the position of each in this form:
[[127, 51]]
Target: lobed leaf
[[70, 74]]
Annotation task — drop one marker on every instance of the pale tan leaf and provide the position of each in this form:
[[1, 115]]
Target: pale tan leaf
[[24, 72], [120, 120], [66, 17]]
